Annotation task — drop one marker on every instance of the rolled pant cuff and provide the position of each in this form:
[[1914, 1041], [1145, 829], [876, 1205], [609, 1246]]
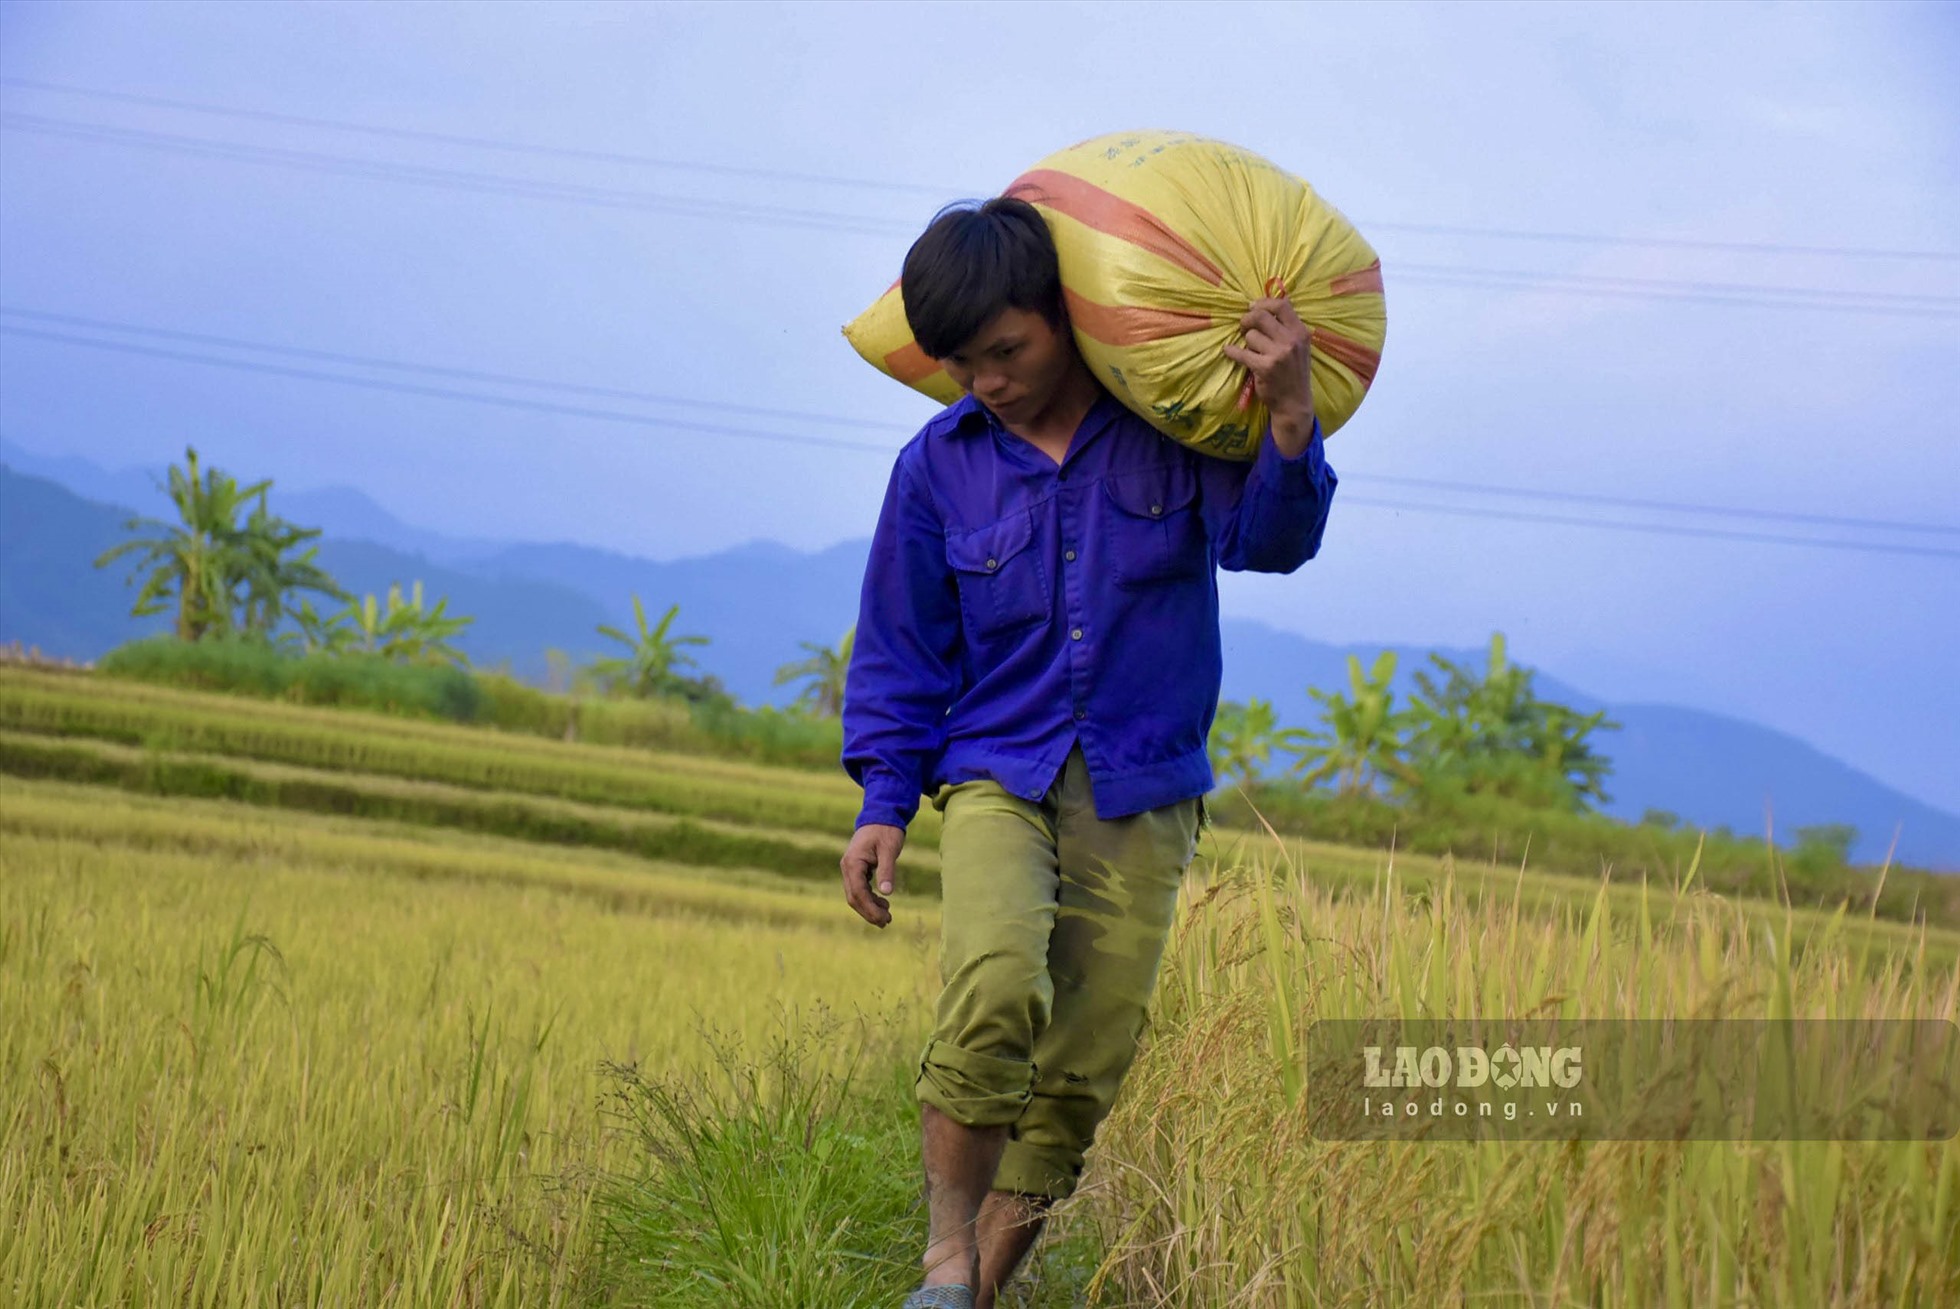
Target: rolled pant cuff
[[974, 1090], [1029, 1170]]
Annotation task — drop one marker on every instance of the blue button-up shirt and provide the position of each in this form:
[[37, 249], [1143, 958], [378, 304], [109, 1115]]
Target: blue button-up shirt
[[1013, 607]]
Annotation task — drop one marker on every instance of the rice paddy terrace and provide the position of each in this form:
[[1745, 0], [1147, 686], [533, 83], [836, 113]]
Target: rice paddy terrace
[[322, 1007]]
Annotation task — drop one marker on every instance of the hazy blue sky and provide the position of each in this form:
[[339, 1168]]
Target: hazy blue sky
[[1819, 126]]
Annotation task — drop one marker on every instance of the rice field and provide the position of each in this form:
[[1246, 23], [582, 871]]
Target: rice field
[[1214, 1191], [310, 1007], [271, 1060]]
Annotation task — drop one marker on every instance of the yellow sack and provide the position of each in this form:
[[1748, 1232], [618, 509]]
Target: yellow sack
[[1164, 239]]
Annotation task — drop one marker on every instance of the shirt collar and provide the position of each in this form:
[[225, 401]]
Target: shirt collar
[[968, 416]]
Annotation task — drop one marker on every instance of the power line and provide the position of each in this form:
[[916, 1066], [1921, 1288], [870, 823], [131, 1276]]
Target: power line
[[915, 188], [456, 179], [1548, 284], [446, 393], [437, 370], [1655, 529], [616, 393], [1746, 295], [644, 420], [486, 143], [1665, 506], [1669, 242], [1755, 289]]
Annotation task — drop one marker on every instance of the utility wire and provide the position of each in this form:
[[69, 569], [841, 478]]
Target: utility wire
[[455, 178], [913, 188], [436, 370], [650, 421], [1668, 242], [1903, 298], [1740, 294], [617, 393], [1549, 284], [487, 143], [1664, 506], [1656, 529], [448, 393]]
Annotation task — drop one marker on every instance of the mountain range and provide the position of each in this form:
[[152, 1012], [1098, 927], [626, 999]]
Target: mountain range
[[757, 603]]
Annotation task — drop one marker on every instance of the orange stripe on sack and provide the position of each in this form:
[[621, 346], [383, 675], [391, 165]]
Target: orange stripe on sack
[[1093, 207], [1129, 324], [1362, 281], [1359, 359], [910, 365]]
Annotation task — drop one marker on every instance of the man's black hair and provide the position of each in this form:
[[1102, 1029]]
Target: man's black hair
[[972, 262]]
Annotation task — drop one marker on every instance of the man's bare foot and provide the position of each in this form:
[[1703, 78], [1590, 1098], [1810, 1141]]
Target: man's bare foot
[[1009, 1224], [959, 1167]]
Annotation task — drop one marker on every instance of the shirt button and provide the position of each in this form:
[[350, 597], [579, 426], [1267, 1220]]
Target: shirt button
[[1156, 509], [1069, 555], [1075, 635], [992, 564], [1081, 714]]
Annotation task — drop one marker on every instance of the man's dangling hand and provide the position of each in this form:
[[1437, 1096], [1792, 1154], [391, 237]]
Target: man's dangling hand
[[872, 857]]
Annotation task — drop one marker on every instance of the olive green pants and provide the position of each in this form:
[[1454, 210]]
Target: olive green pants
[[1052, 925]]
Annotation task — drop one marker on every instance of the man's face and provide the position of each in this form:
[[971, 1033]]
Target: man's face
[[1014, 365]]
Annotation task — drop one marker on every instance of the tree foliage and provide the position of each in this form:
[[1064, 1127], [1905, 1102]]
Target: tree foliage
[[1359, 746], [1243, 738], [1489, 734], [1464, 733], [653, 659], [822, 674], [406, 629], [220, 576]]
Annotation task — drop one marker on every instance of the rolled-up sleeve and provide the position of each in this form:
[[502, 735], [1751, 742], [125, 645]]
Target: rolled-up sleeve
[[903, 673], [1272, 521]]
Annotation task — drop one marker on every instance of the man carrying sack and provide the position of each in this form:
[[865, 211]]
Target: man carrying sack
[[1038, 649]]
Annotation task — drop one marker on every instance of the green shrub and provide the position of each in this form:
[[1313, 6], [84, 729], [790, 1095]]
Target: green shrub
[[250, 667], [712, 725], [772, 735]]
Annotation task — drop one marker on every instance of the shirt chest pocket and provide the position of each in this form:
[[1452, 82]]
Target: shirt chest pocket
[[1001, 579], [1153, 530]]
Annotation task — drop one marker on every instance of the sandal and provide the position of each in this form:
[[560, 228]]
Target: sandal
[[939, 1297]]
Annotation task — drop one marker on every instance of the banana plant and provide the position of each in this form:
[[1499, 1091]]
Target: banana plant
[[199, 564], [320, 633], [272, 572], [404, 628], [1360, 743], [194, 564], [654, 656], [823, 675], [1491, 733], [1243, 738]]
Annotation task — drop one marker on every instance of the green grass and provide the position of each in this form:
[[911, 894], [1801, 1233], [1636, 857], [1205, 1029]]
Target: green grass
[[773, 1184]]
